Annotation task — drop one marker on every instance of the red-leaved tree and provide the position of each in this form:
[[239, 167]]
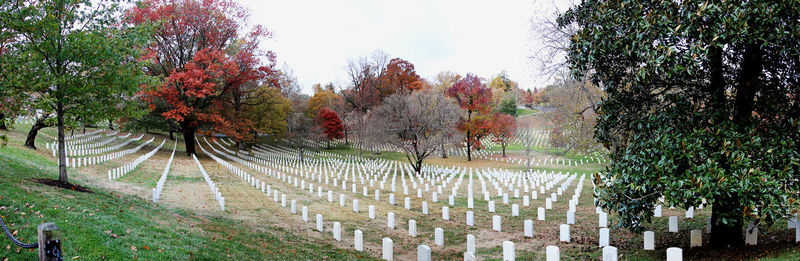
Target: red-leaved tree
[[504, 128], [472, 96], [207, 54], [331, 124], [400, 76]]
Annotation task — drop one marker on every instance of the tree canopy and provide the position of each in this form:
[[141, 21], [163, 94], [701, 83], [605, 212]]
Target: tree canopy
[[702, 105]]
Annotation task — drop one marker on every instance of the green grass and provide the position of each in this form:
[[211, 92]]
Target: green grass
[[108, 225], [523, 112]]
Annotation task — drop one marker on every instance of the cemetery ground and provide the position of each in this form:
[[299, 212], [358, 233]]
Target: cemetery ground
[[118, 219]]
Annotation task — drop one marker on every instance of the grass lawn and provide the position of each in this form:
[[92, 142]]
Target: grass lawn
[[525, 111], [109, 225]]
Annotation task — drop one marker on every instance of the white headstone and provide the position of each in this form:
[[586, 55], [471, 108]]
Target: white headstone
[[553, 253], [751, 235], [673, 224], [390, 220], [690, 212], [610, 253], [371, 212], [657, 211], [446, 213], [337, 231], [438, 236], [674, 254], [797, 233], [319, 222], [424, 207], [696, 238], [514, 210], [649, 240], [602, 219], [470, 218], [355, 205], [388, 249], [604, 238], [469, 256], [407, 203], [528, 228], [412, 228], [358, 240], [564, 233], [548, 203], [470, 243], [496, 225], [491, 206], [508, 251], [571, 217], [423, 253], [540, 215]]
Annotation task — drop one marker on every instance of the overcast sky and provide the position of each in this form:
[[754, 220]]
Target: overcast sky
[[317, 38]]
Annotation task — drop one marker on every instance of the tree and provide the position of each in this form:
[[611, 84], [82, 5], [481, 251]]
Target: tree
[[299, 126], [473, 97], [573, 116], [323, 98], [267, 112], [330, 123], [399, 76], [416, 123], [504, 129], [702, 104], [80, 62], [209, 59]]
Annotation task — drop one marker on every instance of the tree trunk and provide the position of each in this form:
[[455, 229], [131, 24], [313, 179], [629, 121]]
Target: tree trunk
[[110, 125], [188, 137], [3, 122], [302, 156], [730, 234], [171, 134], [329, 144], [30, 141], [346, 142], [62, 155], [504, 150], [469, 150], [84, 128], [444, 152]]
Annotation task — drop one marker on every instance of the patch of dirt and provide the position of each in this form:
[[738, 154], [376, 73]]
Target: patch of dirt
[[59, 184]]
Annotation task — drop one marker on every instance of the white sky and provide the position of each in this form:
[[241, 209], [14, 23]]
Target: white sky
[[317, 38]]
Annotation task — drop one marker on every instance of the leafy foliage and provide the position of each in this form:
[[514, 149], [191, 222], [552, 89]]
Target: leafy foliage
[[73, 59], [210, 59], [473, 97], [702, 104], [331, 124], [504, 129]]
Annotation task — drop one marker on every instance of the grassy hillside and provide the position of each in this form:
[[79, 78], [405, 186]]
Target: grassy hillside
[[108, 225]]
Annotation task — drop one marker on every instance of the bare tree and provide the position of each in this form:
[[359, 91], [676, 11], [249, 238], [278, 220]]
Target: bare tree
[[528, 139], [418, 122], [553, 41]]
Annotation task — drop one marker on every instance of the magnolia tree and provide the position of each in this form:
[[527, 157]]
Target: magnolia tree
[[417, 123], [702, 105], [206, 53]]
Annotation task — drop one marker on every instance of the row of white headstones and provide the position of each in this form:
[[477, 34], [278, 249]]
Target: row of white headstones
[[608, 251], [424, 251]]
